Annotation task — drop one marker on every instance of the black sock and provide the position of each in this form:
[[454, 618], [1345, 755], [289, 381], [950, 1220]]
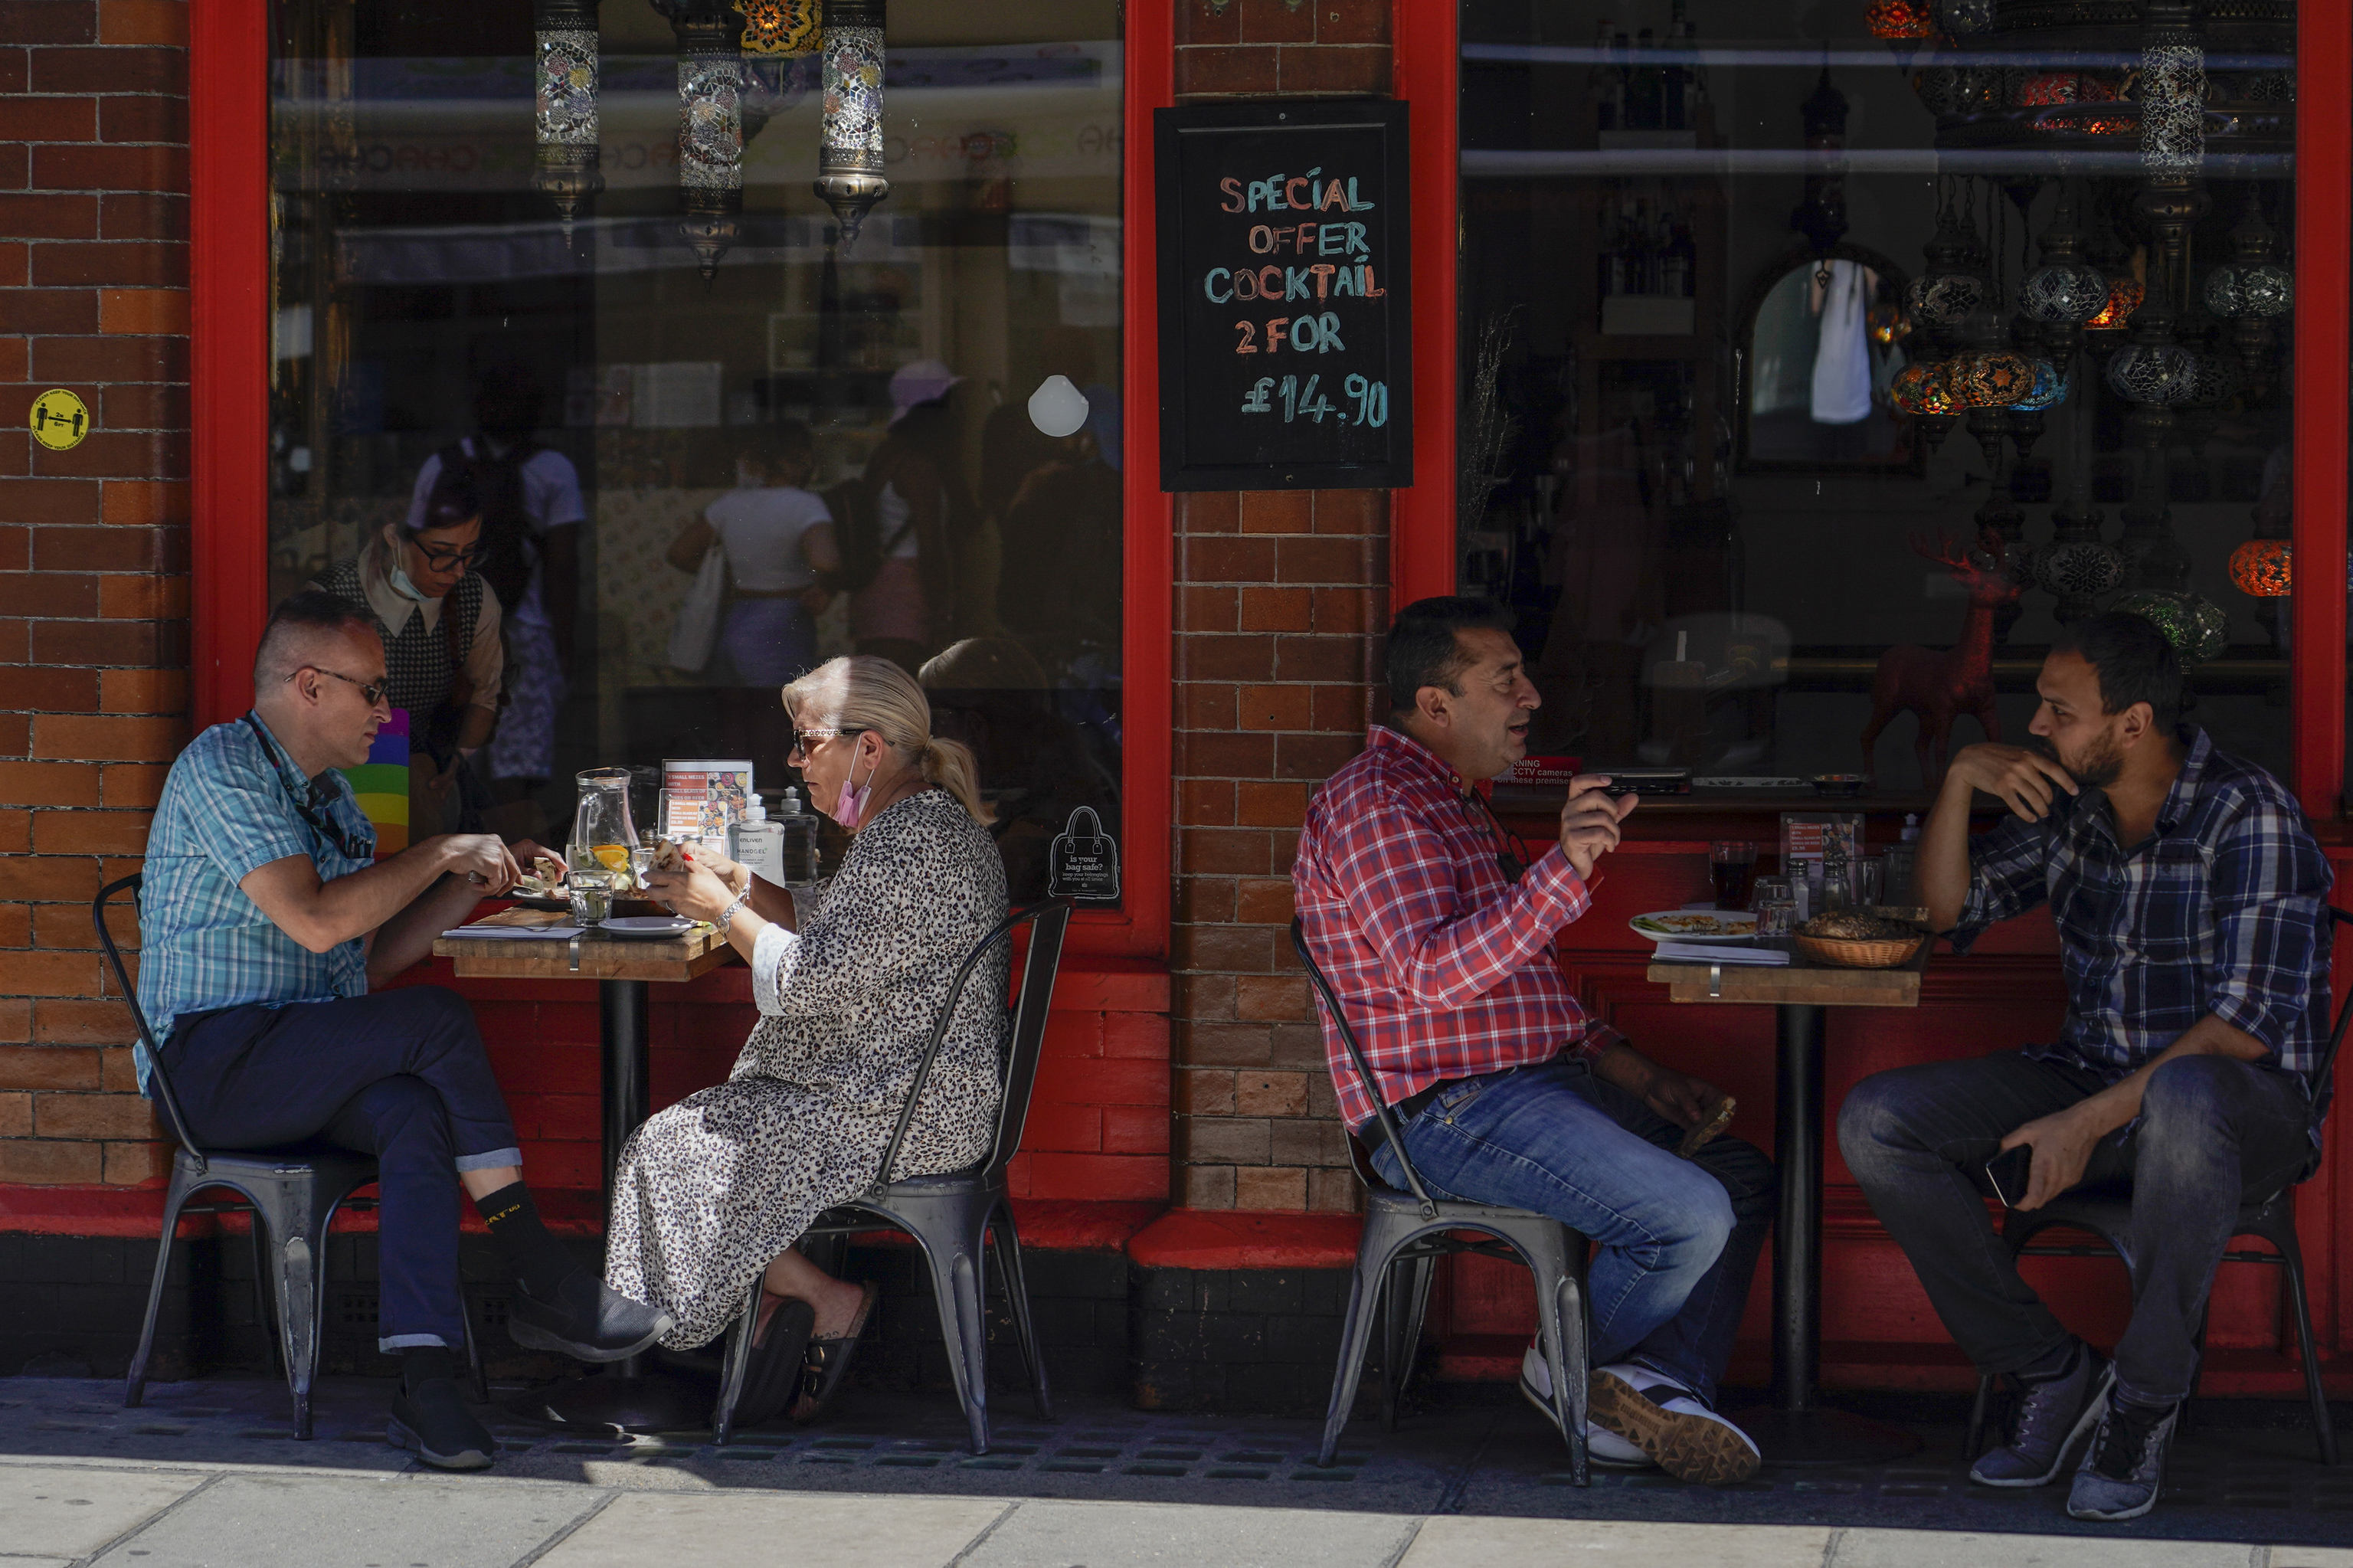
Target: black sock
[[531, 1250], [422, 1364]]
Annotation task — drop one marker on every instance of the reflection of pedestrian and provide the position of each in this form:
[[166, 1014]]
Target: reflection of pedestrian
[[439, 624], [770, 633], [1060, 593], [531, 554], [895, 550]]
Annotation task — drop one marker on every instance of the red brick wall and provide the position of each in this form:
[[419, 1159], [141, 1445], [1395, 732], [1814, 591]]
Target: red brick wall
[[1279, 599], [93, 586]]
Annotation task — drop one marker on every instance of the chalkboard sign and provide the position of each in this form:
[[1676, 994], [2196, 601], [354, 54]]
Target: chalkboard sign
[[1286, 326]]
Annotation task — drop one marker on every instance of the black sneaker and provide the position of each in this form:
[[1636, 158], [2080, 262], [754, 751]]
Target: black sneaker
[[2052, 1417], [2123, 1470], [431, 1419], [588, 1321]]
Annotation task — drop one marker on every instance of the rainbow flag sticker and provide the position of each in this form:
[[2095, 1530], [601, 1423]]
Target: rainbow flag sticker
[[381, 785]]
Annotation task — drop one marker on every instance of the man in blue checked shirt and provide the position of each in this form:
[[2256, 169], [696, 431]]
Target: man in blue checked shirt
[[265, 920], [2189, 902]]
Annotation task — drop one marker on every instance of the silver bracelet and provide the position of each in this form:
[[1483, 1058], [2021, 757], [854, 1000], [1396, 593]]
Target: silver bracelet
[[728, 916]]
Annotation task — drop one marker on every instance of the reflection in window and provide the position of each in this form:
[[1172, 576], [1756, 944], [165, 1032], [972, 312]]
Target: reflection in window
[[624, 365], [1787, 348]]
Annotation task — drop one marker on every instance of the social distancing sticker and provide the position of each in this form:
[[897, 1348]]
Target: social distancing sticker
[[59, 420]]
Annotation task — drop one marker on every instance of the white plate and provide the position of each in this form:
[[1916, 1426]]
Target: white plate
[[1746, 928], [648, 925]]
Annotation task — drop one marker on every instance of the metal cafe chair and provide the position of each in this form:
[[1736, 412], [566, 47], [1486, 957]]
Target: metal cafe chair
[[293, 1194], [1405, 1236], [950, 1216], [2107, 1214]]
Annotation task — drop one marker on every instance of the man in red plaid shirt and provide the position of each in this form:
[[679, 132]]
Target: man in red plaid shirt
[[1435, 927]]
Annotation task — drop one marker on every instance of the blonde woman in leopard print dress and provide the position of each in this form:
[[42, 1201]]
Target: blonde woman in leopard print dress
[[712, 1191]]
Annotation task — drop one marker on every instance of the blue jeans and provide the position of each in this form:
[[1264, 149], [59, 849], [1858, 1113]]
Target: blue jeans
[[1679, 1238]]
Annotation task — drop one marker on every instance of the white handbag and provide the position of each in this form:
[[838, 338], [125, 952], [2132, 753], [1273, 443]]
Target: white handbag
[[697, 629]]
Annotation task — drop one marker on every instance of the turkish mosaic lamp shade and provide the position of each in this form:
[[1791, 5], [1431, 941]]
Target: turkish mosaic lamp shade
[[1945, 299], [2048, 389], [2078, 569], [1989, 378], [1899, 19], [780, 27], [1919, 390], [2261, 290], [2198, 629], [2125, 295], [2063, 293], [2262, 569], [2152, 373]]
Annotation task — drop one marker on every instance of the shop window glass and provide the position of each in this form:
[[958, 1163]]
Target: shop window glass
[[619, 377], [1816, 358]]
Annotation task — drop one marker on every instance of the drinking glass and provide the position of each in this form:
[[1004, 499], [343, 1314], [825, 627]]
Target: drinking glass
[[1766, 888], [592, 895], [1871, 882], [1776, 917], [1731, 863]]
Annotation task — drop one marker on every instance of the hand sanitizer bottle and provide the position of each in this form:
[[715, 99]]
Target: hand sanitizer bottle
[[760, 844], [797, 854]]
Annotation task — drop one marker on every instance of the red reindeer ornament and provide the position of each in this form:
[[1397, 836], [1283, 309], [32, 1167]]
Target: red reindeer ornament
[[1940, 686]]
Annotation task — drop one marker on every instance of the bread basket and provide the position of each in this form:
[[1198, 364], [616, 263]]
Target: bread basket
[[1847, 953]]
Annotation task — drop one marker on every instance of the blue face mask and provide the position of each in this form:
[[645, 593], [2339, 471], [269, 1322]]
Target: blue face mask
[[402, 586]]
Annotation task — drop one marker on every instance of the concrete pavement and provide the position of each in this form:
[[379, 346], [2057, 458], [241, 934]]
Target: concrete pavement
[[149, 1516]]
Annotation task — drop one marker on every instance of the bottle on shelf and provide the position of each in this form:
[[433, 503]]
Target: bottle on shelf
[[1622, 72], [1681, 43], [1678, 261]]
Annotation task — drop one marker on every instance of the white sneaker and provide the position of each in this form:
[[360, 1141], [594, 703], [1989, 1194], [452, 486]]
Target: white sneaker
[[1674, 1426], [1602, 1445]]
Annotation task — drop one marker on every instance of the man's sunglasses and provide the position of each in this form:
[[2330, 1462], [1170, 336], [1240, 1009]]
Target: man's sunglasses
[[376, 692]]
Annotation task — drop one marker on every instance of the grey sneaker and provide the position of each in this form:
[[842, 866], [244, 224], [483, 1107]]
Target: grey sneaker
[[2123, 1469], [2052, 1418]]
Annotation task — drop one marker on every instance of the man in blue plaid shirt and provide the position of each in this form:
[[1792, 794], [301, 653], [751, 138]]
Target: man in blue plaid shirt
[[2190, 903], [264, 921]]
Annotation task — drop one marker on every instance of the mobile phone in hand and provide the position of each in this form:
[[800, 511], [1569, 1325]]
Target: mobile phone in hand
[[1715, 1121], [2007, 1171]]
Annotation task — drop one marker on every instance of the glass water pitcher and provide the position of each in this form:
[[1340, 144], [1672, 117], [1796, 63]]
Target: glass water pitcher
[[604, 838]]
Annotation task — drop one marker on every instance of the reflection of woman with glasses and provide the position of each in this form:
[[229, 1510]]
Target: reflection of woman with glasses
[[439, 622]]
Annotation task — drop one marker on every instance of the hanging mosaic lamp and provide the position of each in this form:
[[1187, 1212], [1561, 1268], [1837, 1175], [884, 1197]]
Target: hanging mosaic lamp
[[1989, 376], [2078, 569], [779, 26], [2152, 368], [1895, 19], [566, 169], [2048, 390], [1954, 285], [850, 148], [2198, 629], [2262, 568], [1960, 17], [710, 124], [2251, 291], [2066, 290], [1887, 324], [1919, 390], [2172, 90]]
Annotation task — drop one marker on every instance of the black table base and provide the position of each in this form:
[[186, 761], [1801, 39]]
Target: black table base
[[625, 1395], [1794, 1429]]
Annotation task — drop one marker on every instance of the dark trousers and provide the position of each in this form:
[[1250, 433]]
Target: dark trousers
[[2214, 1132], [400, 1074]]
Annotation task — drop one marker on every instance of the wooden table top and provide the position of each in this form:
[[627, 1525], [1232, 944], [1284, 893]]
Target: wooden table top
[[1804, 981], [602, 958]]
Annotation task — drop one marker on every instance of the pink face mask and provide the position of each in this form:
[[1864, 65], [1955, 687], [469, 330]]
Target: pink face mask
[[851, 803]]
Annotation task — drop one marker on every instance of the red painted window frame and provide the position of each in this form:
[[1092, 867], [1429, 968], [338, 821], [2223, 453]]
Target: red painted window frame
[[229, 70], [1422, 538]]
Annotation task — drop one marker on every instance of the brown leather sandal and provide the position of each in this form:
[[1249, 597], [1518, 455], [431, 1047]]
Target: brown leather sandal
[[826, 1361]]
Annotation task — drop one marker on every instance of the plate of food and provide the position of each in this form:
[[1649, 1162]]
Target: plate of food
[[1695, 925]]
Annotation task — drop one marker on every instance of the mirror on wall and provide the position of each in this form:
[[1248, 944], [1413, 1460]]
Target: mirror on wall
[[1819, 340]]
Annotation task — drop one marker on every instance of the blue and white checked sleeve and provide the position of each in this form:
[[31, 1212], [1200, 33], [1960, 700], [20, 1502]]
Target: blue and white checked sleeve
[[2010, 871], [238, 810], [2267, 887]]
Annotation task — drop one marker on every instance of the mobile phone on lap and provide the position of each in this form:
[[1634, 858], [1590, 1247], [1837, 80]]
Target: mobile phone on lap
[[2008, 1172]]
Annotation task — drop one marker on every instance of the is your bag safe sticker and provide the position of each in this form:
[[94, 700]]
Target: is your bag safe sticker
[[59, 420], [1086, 860]]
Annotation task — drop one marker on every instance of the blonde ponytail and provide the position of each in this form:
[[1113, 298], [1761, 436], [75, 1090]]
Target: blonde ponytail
[[950, 765]]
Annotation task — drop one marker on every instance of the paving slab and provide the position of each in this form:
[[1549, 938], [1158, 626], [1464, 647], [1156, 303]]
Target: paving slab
[[1966, 1549], [319, 1521], [1448, 1542], [721, 1529], [1156, 1535], [69, 1512], [2310, 1557]]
